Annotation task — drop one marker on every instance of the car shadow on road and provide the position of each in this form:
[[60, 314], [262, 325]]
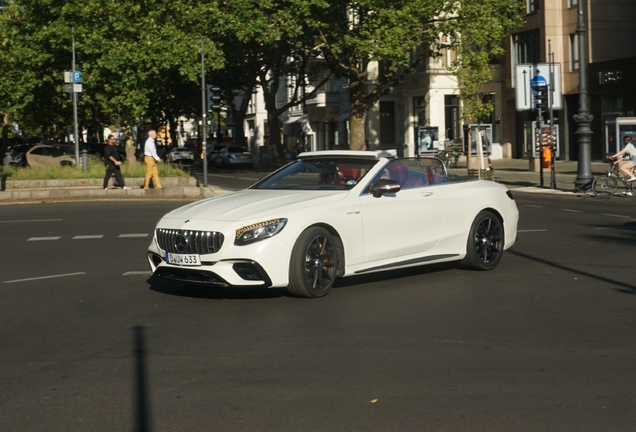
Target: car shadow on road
[[183, 289], [201, 291], [395, 274]]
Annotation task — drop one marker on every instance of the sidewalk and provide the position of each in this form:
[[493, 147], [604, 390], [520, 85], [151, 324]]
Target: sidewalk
[[13, 191], [516, 174], [513, 173]]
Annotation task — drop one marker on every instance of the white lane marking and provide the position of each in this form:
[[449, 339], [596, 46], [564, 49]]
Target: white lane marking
[[613, 228], [43, 238], [45, 277], [32, 220], [137, 273], [618, 216], [534, 230], [534, 206], [86, 237], [571, 211], [132, 235]]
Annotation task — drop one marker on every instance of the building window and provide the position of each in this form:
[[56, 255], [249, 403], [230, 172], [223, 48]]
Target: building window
[[574, 52], [573, 3], [526, 46], [387, 122], [452, 117], [533, 6]]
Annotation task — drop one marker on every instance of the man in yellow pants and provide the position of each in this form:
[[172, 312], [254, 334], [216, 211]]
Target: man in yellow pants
[[151, 159]]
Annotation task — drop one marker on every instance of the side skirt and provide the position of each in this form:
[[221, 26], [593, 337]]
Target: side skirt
[[413, 261]]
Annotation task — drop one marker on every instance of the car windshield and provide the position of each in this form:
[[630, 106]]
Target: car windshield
[[329, 173]]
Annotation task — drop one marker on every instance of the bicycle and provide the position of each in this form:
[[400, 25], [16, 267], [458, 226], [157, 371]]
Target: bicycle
[[606, 185]]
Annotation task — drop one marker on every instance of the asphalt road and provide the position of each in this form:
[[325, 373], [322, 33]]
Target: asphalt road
[[545, 342]]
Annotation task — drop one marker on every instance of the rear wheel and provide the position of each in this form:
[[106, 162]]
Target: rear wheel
[[604, 187], [66, 163], [485, 242], [312, 269]]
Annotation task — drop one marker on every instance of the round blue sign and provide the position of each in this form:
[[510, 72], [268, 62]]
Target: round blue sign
[[538, 83]]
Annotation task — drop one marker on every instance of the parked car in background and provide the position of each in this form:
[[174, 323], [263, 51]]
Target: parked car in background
[[14, 156], [213, 150], [233, 156], [69, 149], [43, 155], [180, 155]]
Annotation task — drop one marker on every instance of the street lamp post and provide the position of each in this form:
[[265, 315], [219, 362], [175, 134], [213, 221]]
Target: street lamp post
[[583, 118]]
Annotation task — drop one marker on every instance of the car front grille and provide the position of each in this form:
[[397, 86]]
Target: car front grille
[[189, 242]]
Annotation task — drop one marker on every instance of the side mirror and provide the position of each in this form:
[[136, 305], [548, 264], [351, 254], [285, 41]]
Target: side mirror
[[385, 186]]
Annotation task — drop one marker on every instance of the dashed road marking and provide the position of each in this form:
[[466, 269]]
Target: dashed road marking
[[618, 216], [31, 220], [571, 211], [45, 277], [43, 238], [87, 237], [533, 206], [132, 235], [533, 230]]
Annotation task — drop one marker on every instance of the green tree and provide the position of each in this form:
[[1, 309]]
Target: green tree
[[400, 35], [137, 61]]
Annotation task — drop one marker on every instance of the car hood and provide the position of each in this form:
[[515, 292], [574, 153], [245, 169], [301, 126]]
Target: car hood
[[254, 203]]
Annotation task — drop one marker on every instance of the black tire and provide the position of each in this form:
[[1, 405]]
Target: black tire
[[604, 186], [484, 248], [312, 269], [66, 163]]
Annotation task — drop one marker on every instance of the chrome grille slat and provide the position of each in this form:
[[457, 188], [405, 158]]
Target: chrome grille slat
[[197, 242]]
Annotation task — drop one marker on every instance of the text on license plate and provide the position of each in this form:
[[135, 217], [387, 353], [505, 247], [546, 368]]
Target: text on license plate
[[183, 259]]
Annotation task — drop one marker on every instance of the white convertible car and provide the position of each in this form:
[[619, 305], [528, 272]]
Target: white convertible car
[[335, 214]]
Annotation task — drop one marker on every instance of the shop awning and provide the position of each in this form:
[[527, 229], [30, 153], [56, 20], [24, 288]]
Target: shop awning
[[292, 119]]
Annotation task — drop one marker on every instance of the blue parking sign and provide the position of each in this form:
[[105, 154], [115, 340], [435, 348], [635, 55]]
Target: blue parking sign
[[77, 77], [538, 83]]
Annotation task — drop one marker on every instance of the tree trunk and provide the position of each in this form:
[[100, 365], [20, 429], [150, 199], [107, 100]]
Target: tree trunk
[[357, 123], [5, 133], [274, 136], [130, 145], [174, 129]]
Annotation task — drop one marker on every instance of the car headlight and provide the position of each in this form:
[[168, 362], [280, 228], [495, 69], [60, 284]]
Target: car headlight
[[259, 231]]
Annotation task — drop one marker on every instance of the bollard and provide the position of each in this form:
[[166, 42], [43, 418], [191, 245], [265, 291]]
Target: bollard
[[84, 160]]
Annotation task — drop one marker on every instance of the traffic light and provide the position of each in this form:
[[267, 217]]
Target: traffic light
[[214, 97], [541, 97]]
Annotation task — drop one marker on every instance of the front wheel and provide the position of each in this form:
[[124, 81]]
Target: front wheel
[[312, 269], [604, 187], [485, 244]]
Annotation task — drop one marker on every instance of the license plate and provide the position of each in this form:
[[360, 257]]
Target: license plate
[[182, 259]]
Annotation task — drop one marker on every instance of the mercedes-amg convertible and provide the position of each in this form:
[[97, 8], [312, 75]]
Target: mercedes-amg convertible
[[332, 214]]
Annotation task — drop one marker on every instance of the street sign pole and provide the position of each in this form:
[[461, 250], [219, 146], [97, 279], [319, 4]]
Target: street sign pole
[[74, 94], [203, 139], [550, 106]]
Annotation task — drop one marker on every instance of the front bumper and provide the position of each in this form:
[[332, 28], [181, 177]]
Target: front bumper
[[262, 264]]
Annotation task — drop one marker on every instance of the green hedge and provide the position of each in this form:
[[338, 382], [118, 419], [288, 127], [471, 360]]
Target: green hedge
[[95, 170]]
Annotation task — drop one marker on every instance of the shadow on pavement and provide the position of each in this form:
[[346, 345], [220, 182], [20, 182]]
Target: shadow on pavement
[[214, 293]]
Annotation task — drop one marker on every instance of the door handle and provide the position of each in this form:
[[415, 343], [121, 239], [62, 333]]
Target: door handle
[[426, 194]]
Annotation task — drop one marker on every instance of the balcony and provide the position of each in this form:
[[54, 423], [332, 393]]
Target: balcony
[[324, 100]]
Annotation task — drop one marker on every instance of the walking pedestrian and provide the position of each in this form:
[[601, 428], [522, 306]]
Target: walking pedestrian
[[151, 159], [112, 160]]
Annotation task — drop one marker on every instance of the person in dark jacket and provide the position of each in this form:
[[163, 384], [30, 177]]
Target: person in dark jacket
[[112, 160]]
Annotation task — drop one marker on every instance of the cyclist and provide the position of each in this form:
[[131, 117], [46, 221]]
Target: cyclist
[[627, 166]]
